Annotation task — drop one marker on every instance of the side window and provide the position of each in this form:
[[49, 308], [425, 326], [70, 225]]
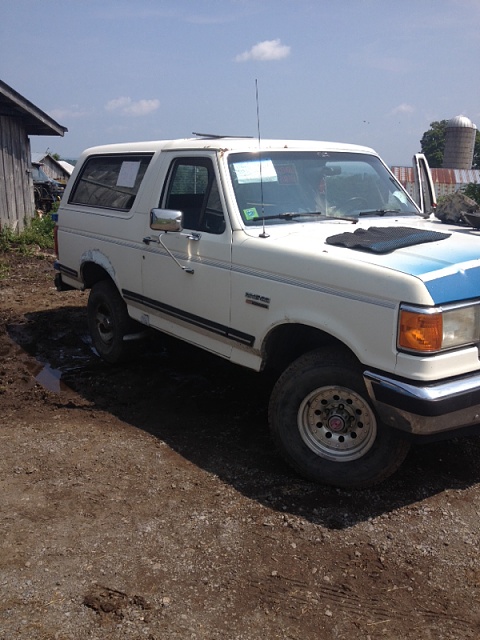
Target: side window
[[110, 182], [192, 188]]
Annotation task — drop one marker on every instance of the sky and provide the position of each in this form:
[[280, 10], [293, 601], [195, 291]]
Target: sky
[[369, 72]]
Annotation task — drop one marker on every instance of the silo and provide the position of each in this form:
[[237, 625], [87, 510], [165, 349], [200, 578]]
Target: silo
[[459, 143]]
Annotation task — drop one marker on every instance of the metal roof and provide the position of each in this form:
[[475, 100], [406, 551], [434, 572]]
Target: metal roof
[[35, 121], [41, 158], [67, 166], [460, 122], [440, 176]]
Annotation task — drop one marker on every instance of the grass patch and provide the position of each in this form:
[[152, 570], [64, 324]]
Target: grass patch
[[4, 271], [38, 234]]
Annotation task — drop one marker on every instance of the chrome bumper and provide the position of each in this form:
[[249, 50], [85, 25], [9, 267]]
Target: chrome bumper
[[425, 409]]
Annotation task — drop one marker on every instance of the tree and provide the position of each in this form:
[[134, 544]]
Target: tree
[[433, 145], [472, 190], [476, 152]]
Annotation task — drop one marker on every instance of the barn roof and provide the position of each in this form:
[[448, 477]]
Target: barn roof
[[40, 158], [440, 176], [35, 121]]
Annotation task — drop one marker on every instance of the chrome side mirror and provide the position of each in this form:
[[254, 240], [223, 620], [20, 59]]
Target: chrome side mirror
[[166, 220]]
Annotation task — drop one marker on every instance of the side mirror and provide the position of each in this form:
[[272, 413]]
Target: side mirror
[[424, 189], [166, 220]]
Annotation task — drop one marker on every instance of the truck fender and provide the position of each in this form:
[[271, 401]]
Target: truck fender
[[96, 257]]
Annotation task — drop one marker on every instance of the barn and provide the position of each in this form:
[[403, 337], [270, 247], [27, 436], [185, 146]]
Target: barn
[[445, 181], [19, 119], [58, 170]]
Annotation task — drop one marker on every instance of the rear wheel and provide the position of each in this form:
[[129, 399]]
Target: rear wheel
[[325, 427], [109, 322]]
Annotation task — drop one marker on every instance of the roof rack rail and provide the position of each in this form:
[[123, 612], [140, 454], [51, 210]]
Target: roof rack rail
[[215, 135]]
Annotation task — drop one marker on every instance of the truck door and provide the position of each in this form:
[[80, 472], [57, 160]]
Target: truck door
[[424, 188], [186, 274]]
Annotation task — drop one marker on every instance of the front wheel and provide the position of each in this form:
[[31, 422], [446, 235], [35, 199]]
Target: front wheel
[[325, 427], [109, 322]]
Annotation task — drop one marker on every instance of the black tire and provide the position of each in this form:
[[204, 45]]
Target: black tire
[[109, 322], [325, 427]]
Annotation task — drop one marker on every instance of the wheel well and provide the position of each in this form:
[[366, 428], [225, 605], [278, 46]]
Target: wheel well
[[93, 273], [286, 343]]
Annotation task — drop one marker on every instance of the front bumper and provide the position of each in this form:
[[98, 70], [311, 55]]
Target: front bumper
[[425, 409]]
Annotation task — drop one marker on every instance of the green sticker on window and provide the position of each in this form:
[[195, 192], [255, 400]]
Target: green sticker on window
[[250, 214]]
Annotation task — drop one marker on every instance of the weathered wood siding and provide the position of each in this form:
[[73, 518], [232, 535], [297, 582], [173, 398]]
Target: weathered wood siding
[[53, 170], [17, 203]]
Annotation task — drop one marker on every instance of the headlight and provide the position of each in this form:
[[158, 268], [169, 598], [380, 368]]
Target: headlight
[[439, 328]]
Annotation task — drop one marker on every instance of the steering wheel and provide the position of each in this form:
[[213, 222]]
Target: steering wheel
[[357, 202]]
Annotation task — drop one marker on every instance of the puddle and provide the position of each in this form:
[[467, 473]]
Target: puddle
[[42, 372], [47, 376], [50, 379]]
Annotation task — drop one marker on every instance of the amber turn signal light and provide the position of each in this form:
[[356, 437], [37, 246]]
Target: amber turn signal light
[[420, 331]]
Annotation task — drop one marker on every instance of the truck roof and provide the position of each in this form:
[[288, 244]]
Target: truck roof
[[226, 143]]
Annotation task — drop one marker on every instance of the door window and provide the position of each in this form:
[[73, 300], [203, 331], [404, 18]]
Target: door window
[[192, 188]]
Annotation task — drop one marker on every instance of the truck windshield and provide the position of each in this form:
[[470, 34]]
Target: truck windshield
[[284, 186]]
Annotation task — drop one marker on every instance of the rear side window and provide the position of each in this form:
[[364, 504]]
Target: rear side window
[[110, 182]]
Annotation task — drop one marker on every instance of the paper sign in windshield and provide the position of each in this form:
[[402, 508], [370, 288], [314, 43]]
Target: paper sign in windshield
[[255, 171]]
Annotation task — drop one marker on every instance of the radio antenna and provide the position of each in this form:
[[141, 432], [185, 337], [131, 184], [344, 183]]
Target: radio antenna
[[264, 234]]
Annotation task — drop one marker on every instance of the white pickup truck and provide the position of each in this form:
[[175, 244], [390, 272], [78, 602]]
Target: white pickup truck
[[308, 259]]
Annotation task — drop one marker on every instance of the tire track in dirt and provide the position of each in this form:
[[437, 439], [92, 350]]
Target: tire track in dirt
[[297, 597]]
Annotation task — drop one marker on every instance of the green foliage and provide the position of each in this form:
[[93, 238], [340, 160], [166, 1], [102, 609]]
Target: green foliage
[[472, 190], [433, 143], [476, 152], [3, 271], [38, 234]]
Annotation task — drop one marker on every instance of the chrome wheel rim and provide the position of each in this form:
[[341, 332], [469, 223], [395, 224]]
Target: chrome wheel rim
[[337, 424], [104, 324]]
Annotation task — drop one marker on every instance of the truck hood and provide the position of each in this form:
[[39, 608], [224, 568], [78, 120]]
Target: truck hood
[[449, 268]]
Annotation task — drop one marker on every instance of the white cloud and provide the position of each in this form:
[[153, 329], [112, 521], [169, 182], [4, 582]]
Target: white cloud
[[129, 107], [117, 103], [402, 108], [265, 51], [142, 107]]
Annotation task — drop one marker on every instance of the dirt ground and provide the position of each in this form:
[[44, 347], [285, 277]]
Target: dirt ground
[[146, 501]]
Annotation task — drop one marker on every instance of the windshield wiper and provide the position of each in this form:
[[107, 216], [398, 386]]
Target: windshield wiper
[[332, 216], [297, 214], [289, 215], [320, 214], [377, 212]]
